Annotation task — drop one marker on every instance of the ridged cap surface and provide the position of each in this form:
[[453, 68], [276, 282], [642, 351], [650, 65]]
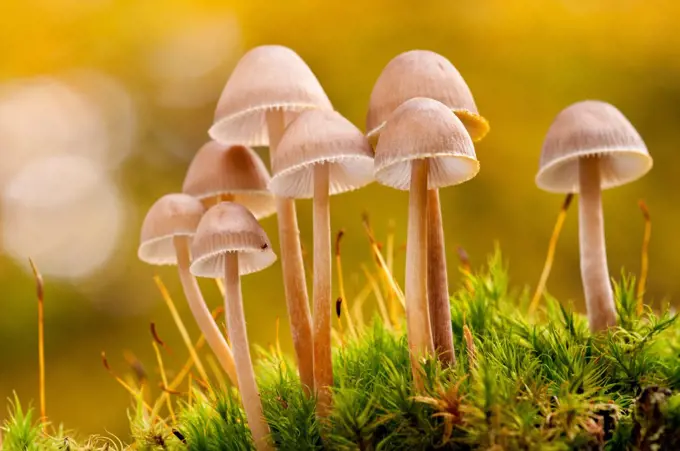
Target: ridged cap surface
[[425, 129], [171, 215], [318, 137], [229, 227], [230, 170], [422, 73], [269, 77], [587, 129]]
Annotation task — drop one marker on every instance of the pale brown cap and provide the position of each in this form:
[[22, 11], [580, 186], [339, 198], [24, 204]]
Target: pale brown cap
[[587, 129], [229, 227], [424, 129], [269, 77], [172, 215], [230, 170], [422, 73], [317, 137]]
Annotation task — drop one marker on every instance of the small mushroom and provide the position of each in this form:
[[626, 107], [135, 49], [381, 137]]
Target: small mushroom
[[422, 73], [229, 243], [268, 88], [232, 173], [321, 154], [591, 146], [166, 236], [423, 146]]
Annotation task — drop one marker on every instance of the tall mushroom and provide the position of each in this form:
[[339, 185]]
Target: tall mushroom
[[232, 173], [422, 73], [320, 154], [423, 146], [268, 88], [229, 243], [591, 146], [166, 236]]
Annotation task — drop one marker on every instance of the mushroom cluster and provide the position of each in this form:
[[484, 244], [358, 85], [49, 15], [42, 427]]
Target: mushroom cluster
[[422, 124]]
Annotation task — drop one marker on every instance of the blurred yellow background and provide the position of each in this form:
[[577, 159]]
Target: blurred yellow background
[[104, 102]]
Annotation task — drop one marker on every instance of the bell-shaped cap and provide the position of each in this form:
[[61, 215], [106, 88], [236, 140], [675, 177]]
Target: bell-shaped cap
[[236, 171], [229, 227], [172, 215], [588, 129], [321, 137], [424, 129], [267, 78], [422, 73]]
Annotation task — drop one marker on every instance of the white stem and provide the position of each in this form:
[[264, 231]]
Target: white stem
[[437, 282], [323, 366], [236, 321], [294, 282], [200, 310], [594, 273], [417, 315]]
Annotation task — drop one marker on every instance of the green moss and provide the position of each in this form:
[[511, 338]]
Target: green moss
[[531, 383]]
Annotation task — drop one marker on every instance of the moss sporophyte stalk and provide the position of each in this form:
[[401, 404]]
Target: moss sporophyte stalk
[[482, 366]]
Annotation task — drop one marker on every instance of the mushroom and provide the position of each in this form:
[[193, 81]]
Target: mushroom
[[166, 235], [229, 243], [423, 146], [321, 154], [268, 88], [234, 173], [591, 146], [421, 73]]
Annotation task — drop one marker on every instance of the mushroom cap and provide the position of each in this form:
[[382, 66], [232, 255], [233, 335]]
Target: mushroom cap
[[318, 137], [425, 129], [170, 216], [235, 170], [588, 129], [229, 227], [267, 78], [422, 73]]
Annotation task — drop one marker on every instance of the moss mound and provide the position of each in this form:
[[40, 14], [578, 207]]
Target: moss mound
[[520, 383]]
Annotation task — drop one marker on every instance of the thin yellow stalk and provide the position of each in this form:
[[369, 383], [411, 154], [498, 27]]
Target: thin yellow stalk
[[470, 346], [180, 325], [540, 288], [161, 368], [378, 296], [389, 256], [341, 288], [381, 262], [135, 394], [358, 303], [41, 339], [644, 261], [220, 286]]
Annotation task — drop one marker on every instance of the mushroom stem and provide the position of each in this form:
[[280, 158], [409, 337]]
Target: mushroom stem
[[292, 265], [250, 396], [323, 366], [417, 315], [437, 282], [200, 310], [594, 272]]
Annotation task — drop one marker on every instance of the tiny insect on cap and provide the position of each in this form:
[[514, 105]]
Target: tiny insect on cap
[[425, 129], [230, 170], [267, 78], [170, 216], [591, 129], [422, 73], [321, 137], [230, 227]]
